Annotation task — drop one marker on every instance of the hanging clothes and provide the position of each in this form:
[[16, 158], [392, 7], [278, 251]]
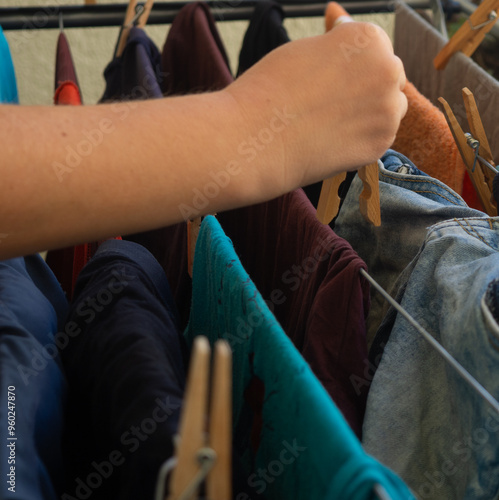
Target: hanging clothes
[[460, 72], [305, 448], [310, 279], [67, 89], [8, 83], [34, 388], [422, 419], [265, 33], [136, 74], [125, 363], [194, 60], [410, 202]]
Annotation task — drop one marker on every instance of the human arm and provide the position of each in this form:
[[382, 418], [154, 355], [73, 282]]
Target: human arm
[[308, 110]]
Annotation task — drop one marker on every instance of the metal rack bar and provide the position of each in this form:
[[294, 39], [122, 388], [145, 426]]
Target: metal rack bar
[[100, 15]]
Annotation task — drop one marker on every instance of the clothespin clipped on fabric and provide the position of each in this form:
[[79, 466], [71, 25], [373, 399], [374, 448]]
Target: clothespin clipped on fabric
[[470, 35], [201, 455], [134, 16], [329, 201], [475, 150]]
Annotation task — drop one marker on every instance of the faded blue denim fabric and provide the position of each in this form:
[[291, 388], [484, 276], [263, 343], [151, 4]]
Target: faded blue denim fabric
[[422, 418], [411, 202]]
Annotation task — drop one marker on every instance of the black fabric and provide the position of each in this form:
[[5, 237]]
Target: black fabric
[[265, 33], [495, 188], [125, 364], [136, 74]]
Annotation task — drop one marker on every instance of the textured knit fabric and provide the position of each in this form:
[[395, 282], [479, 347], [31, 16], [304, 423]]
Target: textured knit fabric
[[310, 279], [265, 33], [32, 313], [307, 450], [8, 84], [194, 58], [125, 363], [136, 74]]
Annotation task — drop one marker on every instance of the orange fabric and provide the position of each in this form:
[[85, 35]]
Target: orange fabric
[[67, 93], [425, 138]]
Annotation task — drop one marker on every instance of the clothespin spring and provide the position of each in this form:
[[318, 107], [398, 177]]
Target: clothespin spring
[[492, 19], [206, 458], [474, 144]]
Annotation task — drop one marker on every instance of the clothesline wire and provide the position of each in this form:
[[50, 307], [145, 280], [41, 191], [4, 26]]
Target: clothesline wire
[[472, 382]]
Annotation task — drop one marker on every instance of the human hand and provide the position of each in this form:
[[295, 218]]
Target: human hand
[[341, 97]]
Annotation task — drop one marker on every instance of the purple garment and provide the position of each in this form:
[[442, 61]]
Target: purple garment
[[194, 58], [136, 74], [310, 279]]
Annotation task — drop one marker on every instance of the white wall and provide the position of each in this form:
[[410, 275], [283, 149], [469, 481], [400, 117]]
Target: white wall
[[33, 51]]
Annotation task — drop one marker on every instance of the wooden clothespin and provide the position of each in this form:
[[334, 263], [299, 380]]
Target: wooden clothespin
[[133, 17], [329, 200], [204, 452], [470, 146], [470, 35]]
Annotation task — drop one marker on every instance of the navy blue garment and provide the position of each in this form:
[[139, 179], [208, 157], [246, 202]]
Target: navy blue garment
[[136, 74], [32, 384], [126, 370]]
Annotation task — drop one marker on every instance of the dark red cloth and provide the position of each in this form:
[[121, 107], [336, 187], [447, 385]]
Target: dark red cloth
[[64, 67], [67, 93], [194, 57], [310, 279]]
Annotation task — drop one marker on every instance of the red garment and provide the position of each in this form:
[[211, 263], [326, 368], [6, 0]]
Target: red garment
[[67, 93]]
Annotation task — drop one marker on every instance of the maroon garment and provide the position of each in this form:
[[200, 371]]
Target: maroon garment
[[310, 278], [64, 66], [194, 58]]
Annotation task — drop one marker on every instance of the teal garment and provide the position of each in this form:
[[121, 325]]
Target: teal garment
[[8, 85], [306, 448]]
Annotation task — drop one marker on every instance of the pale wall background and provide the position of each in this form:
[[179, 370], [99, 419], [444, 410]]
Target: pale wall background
[[33, 51]]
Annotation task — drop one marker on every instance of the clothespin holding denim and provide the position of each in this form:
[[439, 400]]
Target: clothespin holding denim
[[475, 150], [203, 453], [329, 200], [470, 35]]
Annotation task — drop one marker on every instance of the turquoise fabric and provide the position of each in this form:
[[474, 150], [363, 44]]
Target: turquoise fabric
[[306, 448], [8, 85]]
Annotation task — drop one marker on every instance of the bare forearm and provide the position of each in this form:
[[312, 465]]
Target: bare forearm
[[80, 174]]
